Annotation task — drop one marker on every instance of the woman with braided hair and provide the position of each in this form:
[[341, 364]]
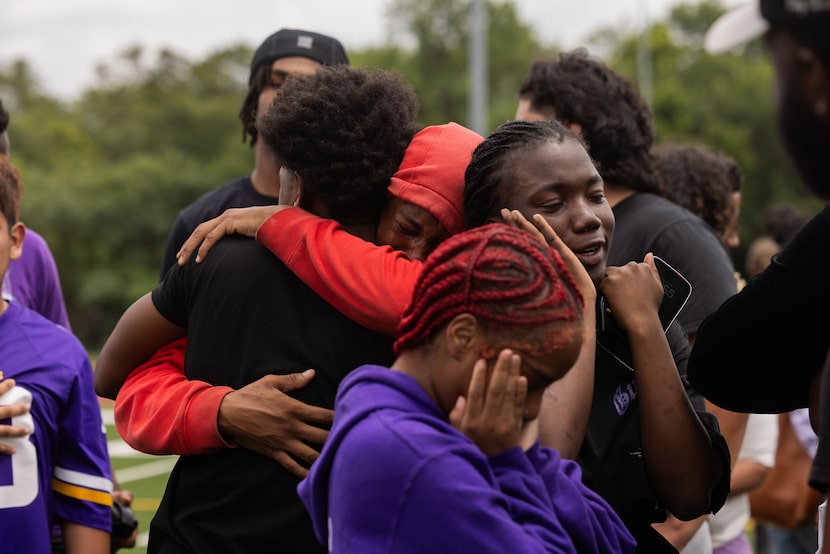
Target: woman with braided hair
[[649, 444], [437, 454]]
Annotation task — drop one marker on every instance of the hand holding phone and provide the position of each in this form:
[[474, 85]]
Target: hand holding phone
[[612, 338]]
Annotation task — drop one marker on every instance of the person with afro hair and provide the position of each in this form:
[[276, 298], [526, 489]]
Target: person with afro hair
[[339, 133]]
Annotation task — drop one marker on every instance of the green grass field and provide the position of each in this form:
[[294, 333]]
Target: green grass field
[[144, 475]]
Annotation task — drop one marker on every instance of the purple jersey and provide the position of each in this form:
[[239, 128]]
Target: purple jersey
[[32, 281], [61, 471]]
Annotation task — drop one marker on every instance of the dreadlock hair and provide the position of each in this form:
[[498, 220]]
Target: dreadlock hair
[[11, 191], [247, 113], [488, 180], [510, 281], [700, 180], [344, 131], [615, 119]]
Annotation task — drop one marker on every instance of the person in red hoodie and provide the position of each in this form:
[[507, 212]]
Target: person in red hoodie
[[159, 411]]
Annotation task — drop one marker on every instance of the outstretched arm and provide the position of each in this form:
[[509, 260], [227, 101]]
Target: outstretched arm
[[370, 284]]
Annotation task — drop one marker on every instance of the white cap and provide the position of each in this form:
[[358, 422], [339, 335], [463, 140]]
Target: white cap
[[735, 28]]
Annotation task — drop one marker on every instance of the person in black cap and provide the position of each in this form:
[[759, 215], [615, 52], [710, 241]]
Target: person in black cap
[[782, 307], [286, 53]]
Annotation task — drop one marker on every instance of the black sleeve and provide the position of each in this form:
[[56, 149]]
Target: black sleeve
[[178, 234], [170, 295], [820, 474], [761, 349], [679, 343]]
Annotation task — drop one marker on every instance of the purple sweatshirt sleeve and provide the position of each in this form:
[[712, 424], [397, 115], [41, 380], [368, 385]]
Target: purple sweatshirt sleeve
[[455, 498], [588, 519]]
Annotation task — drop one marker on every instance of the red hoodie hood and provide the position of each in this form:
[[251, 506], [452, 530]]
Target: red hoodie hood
[[431, 175]]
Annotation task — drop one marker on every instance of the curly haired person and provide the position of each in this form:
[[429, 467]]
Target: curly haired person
[[340, 134]]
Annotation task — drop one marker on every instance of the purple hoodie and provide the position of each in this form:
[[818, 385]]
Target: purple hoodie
[[394, 476], [32, 281]]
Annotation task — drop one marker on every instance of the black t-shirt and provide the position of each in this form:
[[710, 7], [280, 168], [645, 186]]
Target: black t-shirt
[[611, 455], [648, 223], [239, 193], [247, 316]]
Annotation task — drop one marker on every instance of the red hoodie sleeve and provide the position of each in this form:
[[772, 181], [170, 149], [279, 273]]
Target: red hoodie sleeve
[[160, 411], [370, 284]]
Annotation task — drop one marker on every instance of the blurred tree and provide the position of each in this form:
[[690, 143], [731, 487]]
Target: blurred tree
[[430, 50], [105, 174]]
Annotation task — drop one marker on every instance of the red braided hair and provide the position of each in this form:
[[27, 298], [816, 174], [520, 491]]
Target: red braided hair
[[504, 276]]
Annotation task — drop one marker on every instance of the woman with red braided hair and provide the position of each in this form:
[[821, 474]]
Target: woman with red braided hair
[[437, 454]]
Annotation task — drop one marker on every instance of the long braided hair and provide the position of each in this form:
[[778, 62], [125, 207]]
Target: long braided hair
[[510, 281]]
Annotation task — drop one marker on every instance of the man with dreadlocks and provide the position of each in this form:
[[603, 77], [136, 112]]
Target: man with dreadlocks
[[437, 454], [282, 56]]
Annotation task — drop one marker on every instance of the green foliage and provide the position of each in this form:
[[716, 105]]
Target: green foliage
[[437, 63], [723, 102], [105, 177], [106, 174]]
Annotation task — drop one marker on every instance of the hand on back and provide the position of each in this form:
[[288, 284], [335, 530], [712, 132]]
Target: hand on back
[[263, 418], [239, 221]]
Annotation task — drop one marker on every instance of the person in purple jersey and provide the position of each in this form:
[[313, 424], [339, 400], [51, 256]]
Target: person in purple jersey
[[32, 281], [59, 472], [440, 453]]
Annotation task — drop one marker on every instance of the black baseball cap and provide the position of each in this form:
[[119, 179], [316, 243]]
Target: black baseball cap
[[295, 42], [742, 24]]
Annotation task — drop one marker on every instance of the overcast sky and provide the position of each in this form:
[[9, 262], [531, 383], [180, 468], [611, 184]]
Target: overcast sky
[[62, 40]]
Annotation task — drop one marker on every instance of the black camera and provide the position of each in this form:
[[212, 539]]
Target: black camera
[[123, 520]]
